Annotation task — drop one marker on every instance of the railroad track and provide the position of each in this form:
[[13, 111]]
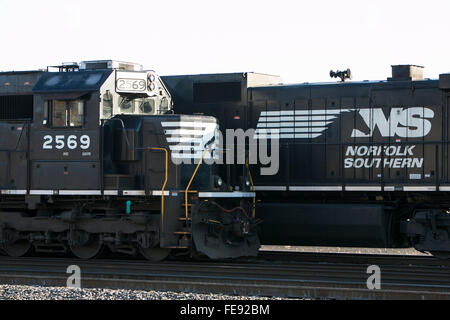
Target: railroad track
[[330, 276], [369, 259]]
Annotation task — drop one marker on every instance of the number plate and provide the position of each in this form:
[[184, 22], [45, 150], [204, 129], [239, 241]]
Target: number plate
[[131, 85], [72, 142]]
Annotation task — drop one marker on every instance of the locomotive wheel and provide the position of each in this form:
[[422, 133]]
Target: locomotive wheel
[[17, 249], [154, 254], [89, 250]]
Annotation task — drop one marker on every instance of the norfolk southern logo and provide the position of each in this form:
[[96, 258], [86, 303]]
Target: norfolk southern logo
[[187, 139], [402, 122], [298, 124], [309, 124]]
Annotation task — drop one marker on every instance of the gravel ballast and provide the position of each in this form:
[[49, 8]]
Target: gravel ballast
[[13, 292]]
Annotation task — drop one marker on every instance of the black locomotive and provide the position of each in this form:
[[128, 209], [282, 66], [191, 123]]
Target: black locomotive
[[90, 157], [107, 155], [360, 163]]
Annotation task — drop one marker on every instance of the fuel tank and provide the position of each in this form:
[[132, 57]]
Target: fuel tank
[[296, 224]]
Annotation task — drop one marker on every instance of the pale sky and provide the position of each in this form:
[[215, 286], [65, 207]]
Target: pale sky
[[299, 40]]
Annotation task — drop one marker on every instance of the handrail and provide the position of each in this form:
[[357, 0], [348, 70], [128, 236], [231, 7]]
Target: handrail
[[165, 179], [190, 182]]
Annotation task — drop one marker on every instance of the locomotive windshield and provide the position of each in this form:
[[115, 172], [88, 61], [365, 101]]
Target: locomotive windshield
[[136, 105]]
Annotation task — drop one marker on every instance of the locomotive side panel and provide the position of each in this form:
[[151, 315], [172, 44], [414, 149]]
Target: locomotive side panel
[[223, 96], [13, 156], [16, 112], [359, 137], [445, 156], [65, 157], [65, 133]]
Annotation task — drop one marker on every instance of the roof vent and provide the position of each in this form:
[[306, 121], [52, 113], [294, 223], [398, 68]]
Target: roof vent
[[406, 72], [65, 67], [110, 64]]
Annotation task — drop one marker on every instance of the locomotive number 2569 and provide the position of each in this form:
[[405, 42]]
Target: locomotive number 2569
[[60, 142], [131, 85]]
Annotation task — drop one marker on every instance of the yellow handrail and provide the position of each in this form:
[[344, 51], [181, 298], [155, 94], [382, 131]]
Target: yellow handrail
[[165, 180], [190, 182], [253, 187]]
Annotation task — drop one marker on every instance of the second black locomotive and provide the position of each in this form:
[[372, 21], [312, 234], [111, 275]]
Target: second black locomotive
[[362, 164]]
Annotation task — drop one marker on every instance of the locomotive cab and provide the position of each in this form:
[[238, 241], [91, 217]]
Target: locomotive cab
[[71, 108]]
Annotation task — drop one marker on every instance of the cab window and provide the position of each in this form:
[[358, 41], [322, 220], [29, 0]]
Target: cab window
[[107, 105], [126, 104], [66, 113], [146, 105]]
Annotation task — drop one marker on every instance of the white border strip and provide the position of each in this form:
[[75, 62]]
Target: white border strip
[[363, 188], [80, 193], [16, 192], [316, 188], [83, 192], [270, 188], [419, 188], [226, 195], [110, 192], [134, 193], [42, 192], [159, 193]]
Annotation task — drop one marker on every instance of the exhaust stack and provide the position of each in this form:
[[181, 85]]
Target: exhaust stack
[[406, 72]]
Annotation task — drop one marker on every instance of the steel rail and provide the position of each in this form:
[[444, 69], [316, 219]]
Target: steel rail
[[399, 259], [331, 280]]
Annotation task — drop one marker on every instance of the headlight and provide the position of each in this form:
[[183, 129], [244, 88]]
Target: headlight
[[247, 182]]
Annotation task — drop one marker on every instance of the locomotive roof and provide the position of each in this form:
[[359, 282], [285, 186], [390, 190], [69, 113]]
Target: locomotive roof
[[72, 81], [350, 84], [12, 73]]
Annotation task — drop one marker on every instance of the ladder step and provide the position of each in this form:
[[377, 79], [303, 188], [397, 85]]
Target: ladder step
[[182, 233], [184, 205], [178, 247], [185, 219]]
